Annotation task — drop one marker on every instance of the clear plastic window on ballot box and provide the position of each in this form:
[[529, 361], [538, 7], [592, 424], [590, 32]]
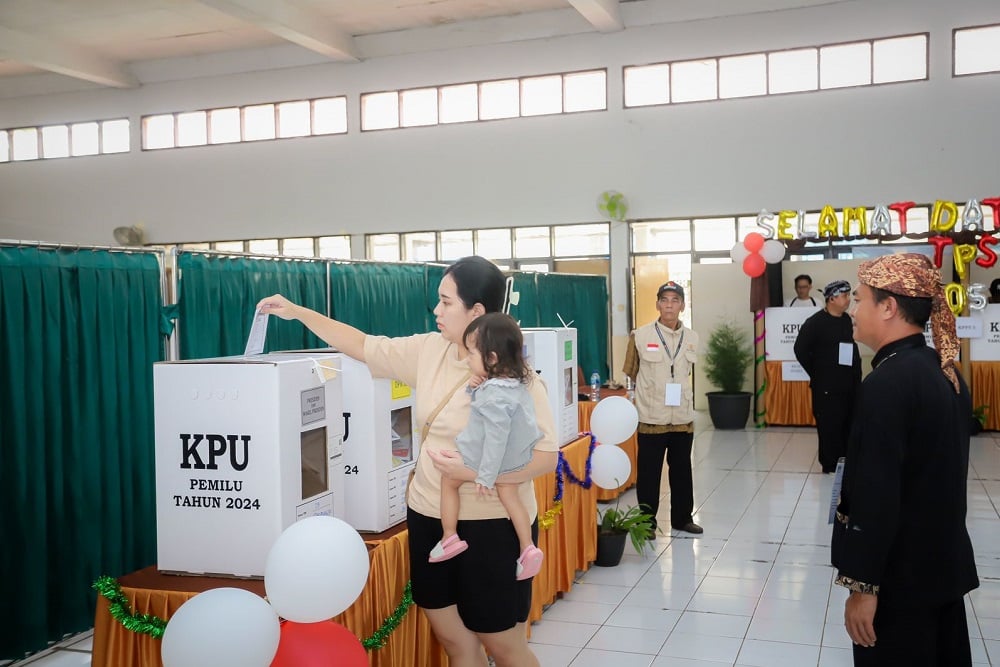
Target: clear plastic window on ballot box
[[402, 436], [552, 353], [315, 470]]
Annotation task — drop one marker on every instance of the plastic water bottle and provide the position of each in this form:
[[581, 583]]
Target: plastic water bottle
[[595, 386]]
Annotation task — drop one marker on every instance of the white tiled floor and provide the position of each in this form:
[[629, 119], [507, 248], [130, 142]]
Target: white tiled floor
[[755, 589]]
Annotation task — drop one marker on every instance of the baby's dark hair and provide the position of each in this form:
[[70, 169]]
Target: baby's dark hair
[[498, 333]]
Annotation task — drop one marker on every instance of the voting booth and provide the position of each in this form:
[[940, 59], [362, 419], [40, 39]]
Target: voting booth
[[245, 446], [783, 326], [552, 353], [381, 443], [985, 334]]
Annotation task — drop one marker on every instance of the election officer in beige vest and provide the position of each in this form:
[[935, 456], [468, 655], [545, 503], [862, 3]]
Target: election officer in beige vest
[[660, 359]]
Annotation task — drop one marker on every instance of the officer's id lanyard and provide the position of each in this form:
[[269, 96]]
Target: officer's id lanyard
[[672, 395]]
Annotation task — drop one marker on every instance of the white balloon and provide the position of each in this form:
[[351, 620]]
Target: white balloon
[[614, 420], [773, 251], [316, 569], [739, 253], [610, 466], [222, 627]]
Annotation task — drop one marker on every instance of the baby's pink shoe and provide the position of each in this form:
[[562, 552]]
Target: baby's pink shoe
[[529, 563], [448, 548]]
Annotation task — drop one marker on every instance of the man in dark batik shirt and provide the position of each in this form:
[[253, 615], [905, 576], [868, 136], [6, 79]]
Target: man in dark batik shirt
[[899, 542], [826, 350]]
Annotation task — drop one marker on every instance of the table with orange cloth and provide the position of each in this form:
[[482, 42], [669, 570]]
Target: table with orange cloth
[[788, 403], [986, 390], [570, 545], [631, 447]]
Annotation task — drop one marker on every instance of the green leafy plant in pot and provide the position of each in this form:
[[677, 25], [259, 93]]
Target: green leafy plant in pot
[[615, 526], [979, 418], [727, 358]]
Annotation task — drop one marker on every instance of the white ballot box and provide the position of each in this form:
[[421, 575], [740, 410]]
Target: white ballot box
[[245, 446], [552, 353], [381, 443]]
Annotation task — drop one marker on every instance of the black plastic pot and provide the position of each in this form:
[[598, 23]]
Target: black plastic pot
[[610, 547], [729, 411]]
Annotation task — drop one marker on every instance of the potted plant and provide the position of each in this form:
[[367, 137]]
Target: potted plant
[[615, 526], [727, 357], [979, 419]]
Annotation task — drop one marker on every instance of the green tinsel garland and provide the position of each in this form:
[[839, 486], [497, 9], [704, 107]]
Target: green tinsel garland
[[121, 609], [381, 636], [147, 624]]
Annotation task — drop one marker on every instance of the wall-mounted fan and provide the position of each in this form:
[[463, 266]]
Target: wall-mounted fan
[[613, 205], [131, 236]]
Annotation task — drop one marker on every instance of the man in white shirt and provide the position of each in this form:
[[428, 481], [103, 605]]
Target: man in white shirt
[[803, 285]]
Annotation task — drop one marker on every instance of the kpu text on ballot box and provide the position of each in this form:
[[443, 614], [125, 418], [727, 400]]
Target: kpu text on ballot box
[[552, 353], [381, 443], [245, 446]]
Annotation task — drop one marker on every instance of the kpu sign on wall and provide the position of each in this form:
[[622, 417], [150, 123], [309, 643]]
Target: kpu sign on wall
[[782, 330], [987, 346]]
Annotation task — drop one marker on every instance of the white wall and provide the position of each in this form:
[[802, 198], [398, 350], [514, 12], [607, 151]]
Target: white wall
[[722, 294], [918, 141]]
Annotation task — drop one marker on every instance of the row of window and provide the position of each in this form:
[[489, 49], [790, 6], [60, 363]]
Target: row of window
[[658, 247], [977, 50], [485, 100], [503, 244], [864, 63], [664, 248], [710, 239], [52, 141], [772, 73], [330, 247], [717, 236], [257, 122]]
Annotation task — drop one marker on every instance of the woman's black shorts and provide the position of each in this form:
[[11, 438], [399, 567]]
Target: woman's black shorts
[[481, 581]]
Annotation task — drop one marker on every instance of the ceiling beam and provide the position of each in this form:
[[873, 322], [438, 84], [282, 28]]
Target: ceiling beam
[[307, 28], [62, 58], [602, 14]]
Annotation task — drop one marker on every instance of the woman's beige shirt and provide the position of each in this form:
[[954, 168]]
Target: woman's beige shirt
[[430, 364]]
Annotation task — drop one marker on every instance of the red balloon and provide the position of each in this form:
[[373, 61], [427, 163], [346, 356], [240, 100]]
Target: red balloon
[[753, 266], [319, 645], [753, 242]]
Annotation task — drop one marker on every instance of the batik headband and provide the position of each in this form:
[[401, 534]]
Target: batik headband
[[914, 275]]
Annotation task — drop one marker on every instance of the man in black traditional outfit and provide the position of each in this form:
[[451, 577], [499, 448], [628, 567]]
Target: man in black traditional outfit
[[899, 542], [826, 350]]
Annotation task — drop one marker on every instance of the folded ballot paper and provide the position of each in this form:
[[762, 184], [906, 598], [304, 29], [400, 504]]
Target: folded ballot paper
[[258, 333]]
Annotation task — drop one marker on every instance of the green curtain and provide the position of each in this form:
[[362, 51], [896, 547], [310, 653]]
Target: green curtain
[[584, 300], [382, 299], [218, 295], [79, 333], [526, 310], [433, 273]]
